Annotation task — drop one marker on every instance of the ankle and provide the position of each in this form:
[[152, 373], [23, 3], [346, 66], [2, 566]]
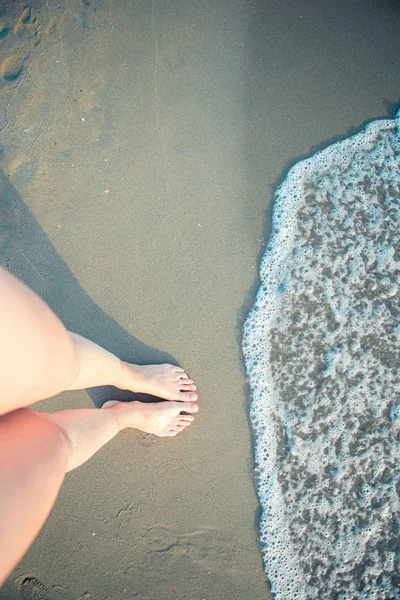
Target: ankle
[[131, 378], [119, 412], [114, 410], [123, 379]]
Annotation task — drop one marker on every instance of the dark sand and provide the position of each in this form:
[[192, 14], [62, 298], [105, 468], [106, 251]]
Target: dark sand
[[141, 143]]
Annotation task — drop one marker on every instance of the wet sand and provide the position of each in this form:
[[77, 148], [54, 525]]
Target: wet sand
[[141, 143]]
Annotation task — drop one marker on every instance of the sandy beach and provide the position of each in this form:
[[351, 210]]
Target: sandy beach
[[141, 143]]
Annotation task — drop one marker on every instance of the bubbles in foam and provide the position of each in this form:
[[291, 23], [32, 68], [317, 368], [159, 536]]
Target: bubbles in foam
[[322, 351]]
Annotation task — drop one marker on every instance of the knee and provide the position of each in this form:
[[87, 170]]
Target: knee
[[32, 443], [33, 462]]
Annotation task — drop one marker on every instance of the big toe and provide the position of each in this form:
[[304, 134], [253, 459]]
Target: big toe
[[188, 396], [189, 407]]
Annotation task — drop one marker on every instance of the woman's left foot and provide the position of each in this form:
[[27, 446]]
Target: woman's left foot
[[164, 381]]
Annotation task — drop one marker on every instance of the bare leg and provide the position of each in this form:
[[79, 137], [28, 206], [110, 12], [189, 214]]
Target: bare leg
[[33, 460], [38, 359], [37, 449], [87, 430], [97, 366]]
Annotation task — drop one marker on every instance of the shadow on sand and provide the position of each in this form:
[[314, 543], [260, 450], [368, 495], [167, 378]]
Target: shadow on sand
[[26, 251]]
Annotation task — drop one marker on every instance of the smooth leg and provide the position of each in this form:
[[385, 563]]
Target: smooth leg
[[33, 460], [38, 359], [97, 366], [87, 430], [37, 449]]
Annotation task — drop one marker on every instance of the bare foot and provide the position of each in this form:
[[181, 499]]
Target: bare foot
[[164, 419], [164, 381]]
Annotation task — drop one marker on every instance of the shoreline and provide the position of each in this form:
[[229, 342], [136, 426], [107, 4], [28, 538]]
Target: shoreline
[[139, 149]]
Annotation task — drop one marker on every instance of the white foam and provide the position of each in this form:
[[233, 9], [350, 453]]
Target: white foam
[[321, 347]]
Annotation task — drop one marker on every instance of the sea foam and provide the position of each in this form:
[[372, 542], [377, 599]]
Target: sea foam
[[322, 351]]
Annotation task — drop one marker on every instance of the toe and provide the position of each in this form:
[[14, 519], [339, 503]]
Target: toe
[[189, 407], [187, 419], [188, 387], [188, 397]]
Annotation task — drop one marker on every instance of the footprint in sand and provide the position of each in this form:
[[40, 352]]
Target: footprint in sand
[[204, 546], [22, 169], [25, 35], [28, 26], [30, 588], [11, 67]]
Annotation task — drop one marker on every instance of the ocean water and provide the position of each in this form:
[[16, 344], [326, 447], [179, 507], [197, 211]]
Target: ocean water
[[322, 353]]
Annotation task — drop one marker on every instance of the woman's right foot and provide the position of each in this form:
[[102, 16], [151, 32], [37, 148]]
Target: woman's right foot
[[164, 419]]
